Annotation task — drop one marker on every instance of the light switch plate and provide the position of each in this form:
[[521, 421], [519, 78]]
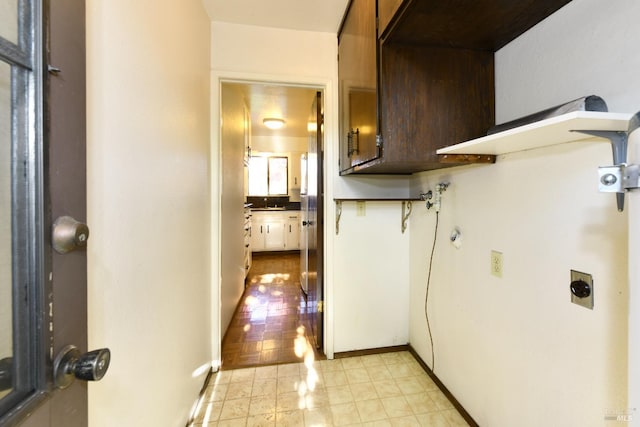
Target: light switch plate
[[587, 301]]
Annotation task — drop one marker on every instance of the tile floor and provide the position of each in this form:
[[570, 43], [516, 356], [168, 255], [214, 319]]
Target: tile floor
[[272, 375], [271, 323], [389, 389]]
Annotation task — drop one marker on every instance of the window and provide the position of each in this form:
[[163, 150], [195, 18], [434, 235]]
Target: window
[[268, 176], [22, 294]]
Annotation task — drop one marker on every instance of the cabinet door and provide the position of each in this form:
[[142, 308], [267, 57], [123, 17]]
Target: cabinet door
[[292, 231], [357, 45], [257, 234], [274, 235], [386, 10]]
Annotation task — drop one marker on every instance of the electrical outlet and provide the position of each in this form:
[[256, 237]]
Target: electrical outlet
[[496, 263], [581, 289], [361, 208]]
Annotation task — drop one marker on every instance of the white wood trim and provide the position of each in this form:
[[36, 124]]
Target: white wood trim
[[330, 136]]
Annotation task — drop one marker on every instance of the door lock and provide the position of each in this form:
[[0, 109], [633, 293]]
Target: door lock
[[69, 364], [69, 234]]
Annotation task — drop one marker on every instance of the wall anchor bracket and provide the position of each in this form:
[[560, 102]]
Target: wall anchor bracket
[[406, 212], [620, 177], [338, 215]]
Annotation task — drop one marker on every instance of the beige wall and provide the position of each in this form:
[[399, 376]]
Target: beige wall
[[514, 350], [148, 207], [232, 201]]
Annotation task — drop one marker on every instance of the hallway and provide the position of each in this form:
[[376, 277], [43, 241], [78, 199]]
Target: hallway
[[271, 375], [269, 326]]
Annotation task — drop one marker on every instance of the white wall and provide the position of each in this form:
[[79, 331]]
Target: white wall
[[148, 207], [243, 52], [371, 282], [514, 350]]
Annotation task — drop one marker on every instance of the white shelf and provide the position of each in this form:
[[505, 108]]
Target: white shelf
[[553, 131]]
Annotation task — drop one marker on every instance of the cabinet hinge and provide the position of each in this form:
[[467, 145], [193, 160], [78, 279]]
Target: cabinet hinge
[[320, 306]]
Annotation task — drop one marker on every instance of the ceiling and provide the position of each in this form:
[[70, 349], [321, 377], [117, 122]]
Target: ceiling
[[290, 103], [306, 15], [293, 104]]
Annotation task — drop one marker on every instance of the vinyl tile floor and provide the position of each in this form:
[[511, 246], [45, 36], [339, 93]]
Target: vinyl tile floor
[[272, 323], [271, 374], [389, 389]]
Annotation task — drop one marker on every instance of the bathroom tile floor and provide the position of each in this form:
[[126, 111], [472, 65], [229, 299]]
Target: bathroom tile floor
[[389, 389]]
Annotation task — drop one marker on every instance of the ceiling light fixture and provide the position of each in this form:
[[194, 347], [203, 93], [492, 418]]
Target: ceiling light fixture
[[273, 123]]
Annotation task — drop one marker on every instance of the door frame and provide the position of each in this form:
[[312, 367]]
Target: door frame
[[329, 89], [633, 349]]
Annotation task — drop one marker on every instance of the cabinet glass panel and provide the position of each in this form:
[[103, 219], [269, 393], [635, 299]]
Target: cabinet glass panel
[[358, 84], [6, 295], [9, 20]]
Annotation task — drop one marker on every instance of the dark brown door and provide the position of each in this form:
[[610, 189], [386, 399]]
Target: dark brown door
[[67, 186], [313, 222], [48, 146]]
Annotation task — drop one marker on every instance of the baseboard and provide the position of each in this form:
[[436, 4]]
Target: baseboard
[[463, 412], [467, 417], [366, 352]]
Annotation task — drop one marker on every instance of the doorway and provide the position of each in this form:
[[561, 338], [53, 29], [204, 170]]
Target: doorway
[[266, 177]]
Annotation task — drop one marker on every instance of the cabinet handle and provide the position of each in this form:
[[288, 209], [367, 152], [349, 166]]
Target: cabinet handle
[[289, 228], [267, 228], [351, 146], [261, 230]]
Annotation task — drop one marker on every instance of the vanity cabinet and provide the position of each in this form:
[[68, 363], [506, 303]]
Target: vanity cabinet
[[434, 78]]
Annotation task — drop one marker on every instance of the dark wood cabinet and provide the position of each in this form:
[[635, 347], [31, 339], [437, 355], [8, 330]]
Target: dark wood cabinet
[[434, 78], [358, 85], [386, 10]]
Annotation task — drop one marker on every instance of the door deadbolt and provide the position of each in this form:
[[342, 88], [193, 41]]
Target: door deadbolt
[[69, 234], [69, 364]]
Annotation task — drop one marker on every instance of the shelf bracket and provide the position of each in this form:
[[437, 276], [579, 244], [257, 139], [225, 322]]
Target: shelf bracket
[[406, 212], [338, 214], [620, 177]]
